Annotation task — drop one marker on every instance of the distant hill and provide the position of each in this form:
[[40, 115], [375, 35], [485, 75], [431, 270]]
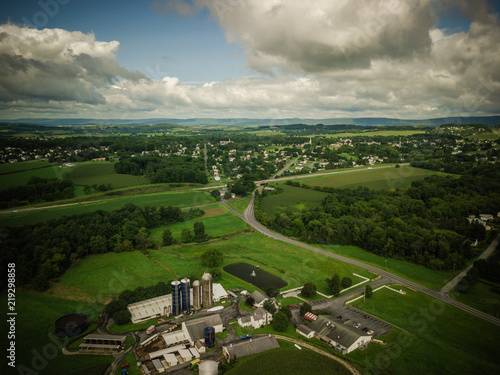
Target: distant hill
[[363, 121]]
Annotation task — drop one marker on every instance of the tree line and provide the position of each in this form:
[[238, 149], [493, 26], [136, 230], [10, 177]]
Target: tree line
[[37, 190]]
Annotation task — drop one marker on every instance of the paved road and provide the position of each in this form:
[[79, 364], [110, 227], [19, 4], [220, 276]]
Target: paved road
[[284, 168], [387, 276]]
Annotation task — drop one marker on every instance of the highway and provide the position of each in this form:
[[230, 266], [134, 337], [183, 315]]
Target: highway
[[249, 217]]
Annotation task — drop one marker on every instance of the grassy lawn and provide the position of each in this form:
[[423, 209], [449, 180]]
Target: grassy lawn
[[24, 166], [438, 334], [431, 279], [225, 223], [174, 198], [482, 298], [244, 306], [129, 327], [287, 359], [292, 198], [382, 178], [239, 204], [132, 361], [21, 177], [102, 172], [35, 336]]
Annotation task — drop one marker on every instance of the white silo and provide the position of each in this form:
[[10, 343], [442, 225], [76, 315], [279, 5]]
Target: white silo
[[207, 297], [196, 295], [208, 368]]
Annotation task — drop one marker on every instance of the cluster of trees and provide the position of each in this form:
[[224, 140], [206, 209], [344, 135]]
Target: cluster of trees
[[336, 285], [199, 235], [399, 224], [117, 309], [44, 251], [159, 170], [37, 190], [87, 189], [487, 269]]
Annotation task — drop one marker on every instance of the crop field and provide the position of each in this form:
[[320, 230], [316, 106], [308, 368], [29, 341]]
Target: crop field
[[431, 279], [376, 178], [292, 198], [383, 133], [222, 224], [431, 345], [35, 329], [287, 359], [102, 172], [176, 199], [12, 177]]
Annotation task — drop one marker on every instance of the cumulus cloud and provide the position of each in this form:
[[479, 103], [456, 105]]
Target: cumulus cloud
[[57, 65]]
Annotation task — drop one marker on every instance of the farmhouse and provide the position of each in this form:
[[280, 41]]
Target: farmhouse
[[342, 337], [250, 347], [259, 298], [259, 318]]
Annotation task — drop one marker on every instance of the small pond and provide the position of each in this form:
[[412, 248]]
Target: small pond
[[255, 276]]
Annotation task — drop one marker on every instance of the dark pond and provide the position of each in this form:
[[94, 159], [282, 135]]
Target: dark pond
[[262, 279]]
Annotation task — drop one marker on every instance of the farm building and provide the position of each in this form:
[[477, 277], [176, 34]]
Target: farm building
[[103, 343], [192, 331], [342, 337], [219, 292], [259, 298], [250, 347], [305, 331], [259, 318]]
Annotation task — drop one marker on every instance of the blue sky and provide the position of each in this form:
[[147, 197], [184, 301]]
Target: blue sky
[[252, 58]]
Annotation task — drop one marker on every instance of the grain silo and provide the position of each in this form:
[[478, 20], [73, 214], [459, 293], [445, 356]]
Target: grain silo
[[196, 295], [207, 296], [208, 367], [185, 295], [209, 337], [176, 297]]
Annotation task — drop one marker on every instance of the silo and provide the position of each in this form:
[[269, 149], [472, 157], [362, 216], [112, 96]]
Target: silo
[[185, 295], [176, 297], [209, 337], [196, 295], [208, 368], [207, 298]]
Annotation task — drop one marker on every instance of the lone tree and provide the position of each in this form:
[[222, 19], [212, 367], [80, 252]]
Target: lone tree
[[186, 235], [334, 284], [346, 282], [280, 322], [199, 232], [368, 291], [269, 306], [272, 291], [167, 237], [250, 301], [215, 193], [227, 195], [309, 290], [305, 308], [212, 258]]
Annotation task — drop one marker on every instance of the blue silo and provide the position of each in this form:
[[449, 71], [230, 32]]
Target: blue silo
[[209, 337]]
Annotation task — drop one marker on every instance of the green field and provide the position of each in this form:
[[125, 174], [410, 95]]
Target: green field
[[177, 199], [482, 298], [292, 198], [24, 166], [19, 177], [224, 223], [101, 172], [384, 133], [35, 337], [441, 339], [424, 276], [239, 204], [287, 359], [485, 136], [376, 178]]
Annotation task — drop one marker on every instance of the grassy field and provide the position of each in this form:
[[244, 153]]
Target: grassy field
[[220, 222], [384, 133], [485, 136], [482, 298], [292, 198], [239, 204], [177, 199], [129, 327], [287, 359], [132, 369], [24, 166], [382, 178], [431, 279], [441, 339], [13, 178], [35, 337], [102, 172]]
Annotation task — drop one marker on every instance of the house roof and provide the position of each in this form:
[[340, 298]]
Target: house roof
[[253, 346], [196, 327], [246, 318], [259, 313], [340, 333], [304, 329], [218, 291], [258, 296]]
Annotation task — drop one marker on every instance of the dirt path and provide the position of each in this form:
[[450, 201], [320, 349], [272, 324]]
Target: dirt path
[[350, 367]]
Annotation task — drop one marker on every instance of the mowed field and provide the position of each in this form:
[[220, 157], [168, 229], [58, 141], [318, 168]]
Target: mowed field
[[176, 199], [440, 338], [18, 174], [35, 339], [101, 172], [376, 178], [292, 198], [383, 133]]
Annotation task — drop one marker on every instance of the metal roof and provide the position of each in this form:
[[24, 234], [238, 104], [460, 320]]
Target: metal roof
[[253, 346], [340, 333]]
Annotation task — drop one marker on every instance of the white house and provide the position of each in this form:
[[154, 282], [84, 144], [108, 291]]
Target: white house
[[259, 298], [259, 318]]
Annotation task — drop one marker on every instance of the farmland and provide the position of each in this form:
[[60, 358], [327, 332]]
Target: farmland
[[101, 172], [36, 335], [292, 198], [19, 174], [482, 298], [382, 133], [383, 178], [432, 327]]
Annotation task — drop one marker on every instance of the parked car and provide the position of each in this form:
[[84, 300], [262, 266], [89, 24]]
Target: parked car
[[125, 365], [367, 316], [357, 325], [339, 317]]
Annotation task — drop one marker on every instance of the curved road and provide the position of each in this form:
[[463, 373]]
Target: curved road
[[249, 217]]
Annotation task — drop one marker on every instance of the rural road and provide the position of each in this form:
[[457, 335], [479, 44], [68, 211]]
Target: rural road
[[249, 217]]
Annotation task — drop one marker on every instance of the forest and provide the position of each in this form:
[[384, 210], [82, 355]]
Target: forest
[[425, 224], [37, 190]]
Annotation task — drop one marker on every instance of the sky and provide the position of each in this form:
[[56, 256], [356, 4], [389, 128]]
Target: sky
[[249, 58]]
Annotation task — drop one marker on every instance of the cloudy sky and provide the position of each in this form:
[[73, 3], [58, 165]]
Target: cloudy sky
[[249, 58]]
